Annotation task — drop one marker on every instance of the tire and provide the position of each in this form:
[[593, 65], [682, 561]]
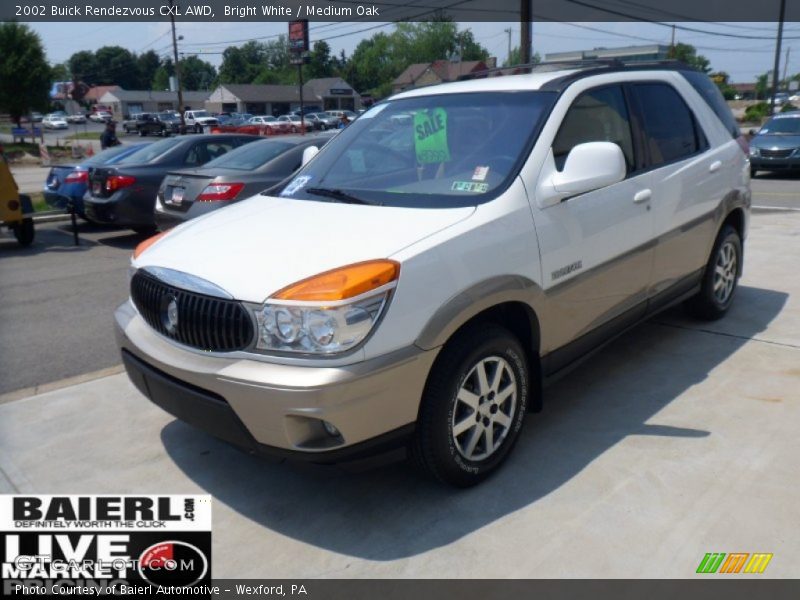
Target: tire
[[24, 232], [142, 133], [753, 172], [465, 458], [720, 279], [198, 128]]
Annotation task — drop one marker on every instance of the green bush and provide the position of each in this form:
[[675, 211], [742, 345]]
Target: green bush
[[788, 107], [756, 112]]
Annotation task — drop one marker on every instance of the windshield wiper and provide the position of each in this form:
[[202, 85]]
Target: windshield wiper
[[339, 195]]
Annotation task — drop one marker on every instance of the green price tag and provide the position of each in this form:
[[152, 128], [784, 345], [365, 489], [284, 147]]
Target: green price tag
[[430, 136]]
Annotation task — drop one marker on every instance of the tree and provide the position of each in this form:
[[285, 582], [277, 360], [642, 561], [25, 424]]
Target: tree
[[24, 72], [83, 66], [722, 79], [321, 63], [197, 74], [514, 58], [163, 73], [60, 72], [117, 66], [148, 64], [688, 54]]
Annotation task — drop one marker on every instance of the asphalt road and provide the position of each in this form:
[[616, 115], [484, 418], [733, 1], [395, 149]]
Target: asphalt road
[[57, 300]]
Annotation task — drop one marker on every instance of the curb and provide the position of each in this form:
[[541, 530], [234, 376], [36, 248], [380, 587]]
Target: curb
[[50, 217]]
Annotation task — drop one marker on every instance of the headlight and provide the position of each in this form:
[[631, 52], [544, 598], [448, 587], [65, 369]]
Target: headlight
[[328, 313], [753, 151]]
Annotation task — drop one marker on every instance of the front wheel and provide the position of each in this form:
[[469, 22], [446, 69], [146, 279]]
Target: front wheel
[[24, 231], [198, 128], [720, 278], [473, 406]]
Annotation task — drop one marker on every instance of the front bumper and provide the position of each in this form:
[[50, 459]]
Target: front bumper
[[277, 409], [774, 164]]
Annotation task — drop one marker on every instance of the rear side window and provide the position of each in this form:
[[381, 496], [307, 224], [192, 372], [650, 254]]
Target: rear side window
[[670, 131], [713, 97], [598, 115], [202, 152]]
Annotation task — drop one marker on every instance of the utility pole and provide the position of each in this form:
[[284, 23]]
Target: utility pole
[[508, 31], [525, 32], [177, 65], [776, 69], [302, 113], [672, 43], [786, 63]]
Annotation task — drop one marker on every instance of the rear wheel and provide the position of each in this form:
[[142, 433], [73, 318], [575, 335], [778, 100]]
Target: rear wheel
[[24, 231], [473, 406], [720, 278]]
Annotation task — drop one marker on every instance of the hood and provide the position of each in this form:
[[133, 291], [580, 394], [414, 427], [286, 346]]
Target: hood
[[254, 248], [776, 142]]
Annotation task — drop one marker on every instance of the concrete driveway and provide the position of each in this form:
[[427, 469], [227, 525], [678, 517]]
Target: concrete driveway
[[678, 439]]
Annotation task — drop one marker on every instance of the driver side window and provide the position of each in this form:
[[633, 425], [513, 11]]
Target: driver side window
[[598, 115]]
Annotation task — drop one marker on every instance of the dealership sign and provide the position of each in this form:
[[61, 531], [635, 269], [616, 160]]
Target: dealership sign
[[104, 544]]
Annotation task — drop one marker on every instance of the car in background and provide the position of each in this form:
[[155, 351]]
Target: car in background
[[347, 113], [241, 173], [129, 125], [171, 121], [68, 183], [198, 120], [294, 123], [36, 117], [265, 125], [76, 118], [154, 124], [101, 117], [54, 122], [322, 121], [776, 146], [125, 193]]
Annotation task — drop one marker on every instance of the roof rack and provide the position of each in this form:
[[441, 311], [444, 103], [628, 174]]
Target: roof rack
[[583, 64]]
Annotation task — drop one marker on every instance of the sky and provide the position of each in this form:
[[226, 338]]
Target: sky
[[744, 58]]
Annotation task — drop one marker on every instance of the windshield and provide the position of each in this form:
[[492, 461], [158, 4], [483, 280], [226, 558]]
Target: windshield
[[151, 152], [251, 156], [430, 151], [782, 126]]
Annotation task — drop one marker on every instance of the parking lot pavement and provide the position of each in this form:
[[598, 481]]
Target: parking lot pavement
[[57, 302], [678, 439], [776, 190]]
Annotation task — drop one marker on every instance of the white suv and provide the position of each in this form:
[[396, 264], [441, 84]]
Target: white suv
[[418, 281]]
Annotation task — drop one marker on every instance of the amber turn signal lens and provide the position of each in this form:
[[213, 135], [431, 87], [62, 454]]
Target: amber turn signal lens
[[147, 243], [342, 283]]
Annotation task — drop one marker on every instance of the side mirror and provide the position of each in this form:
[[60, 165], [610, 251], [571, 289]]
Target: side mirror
[[589, 166], [309, 153]]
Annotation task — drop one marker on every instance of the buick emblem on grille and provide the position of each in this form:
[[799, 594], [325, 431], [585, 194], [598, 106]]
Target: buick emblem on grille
[[169, 313]]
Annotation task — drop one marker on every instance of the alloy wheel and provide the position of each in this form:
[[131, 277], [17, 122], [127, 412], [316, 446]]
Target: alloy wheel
[[725, 271]]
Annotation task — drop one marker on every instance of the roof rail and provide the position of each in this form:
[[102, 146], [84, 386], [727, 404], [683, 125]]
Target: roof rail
[[561, 65]]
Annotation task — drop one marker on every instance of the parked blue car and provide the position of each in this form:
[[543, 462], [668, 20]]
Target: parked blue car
[[70, 182]]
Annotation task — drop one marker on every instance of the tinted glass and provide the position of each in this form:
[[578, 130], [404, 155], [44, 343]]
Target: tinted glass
[[112, 155], [251, 156], [429, 151], [202, 152], [781, 126], [713, 97], [669, 126], [151, 152], [599, 115]]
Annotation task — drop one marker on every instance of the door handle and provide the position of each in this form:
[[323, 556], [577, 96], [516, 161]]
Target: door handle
[[642, 196], [714, 167]]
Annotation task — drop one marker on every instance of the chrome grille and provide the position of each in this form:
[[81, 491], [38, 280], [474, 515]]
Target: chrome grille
[[203, 322], [784, 153]]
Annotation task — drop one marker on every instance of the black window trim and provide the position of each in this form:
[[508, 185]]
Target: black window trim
[[699, 133]]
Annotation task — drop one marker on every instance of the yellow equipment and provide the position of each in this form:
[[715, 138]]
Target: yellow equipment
[[16, 209]]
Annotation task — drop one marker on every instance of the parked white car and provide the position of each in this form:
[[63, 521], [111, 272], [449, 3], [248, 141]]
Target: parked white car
[[55, 122], [295, 122], [76, 118], [421, 296], [101, 117]]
